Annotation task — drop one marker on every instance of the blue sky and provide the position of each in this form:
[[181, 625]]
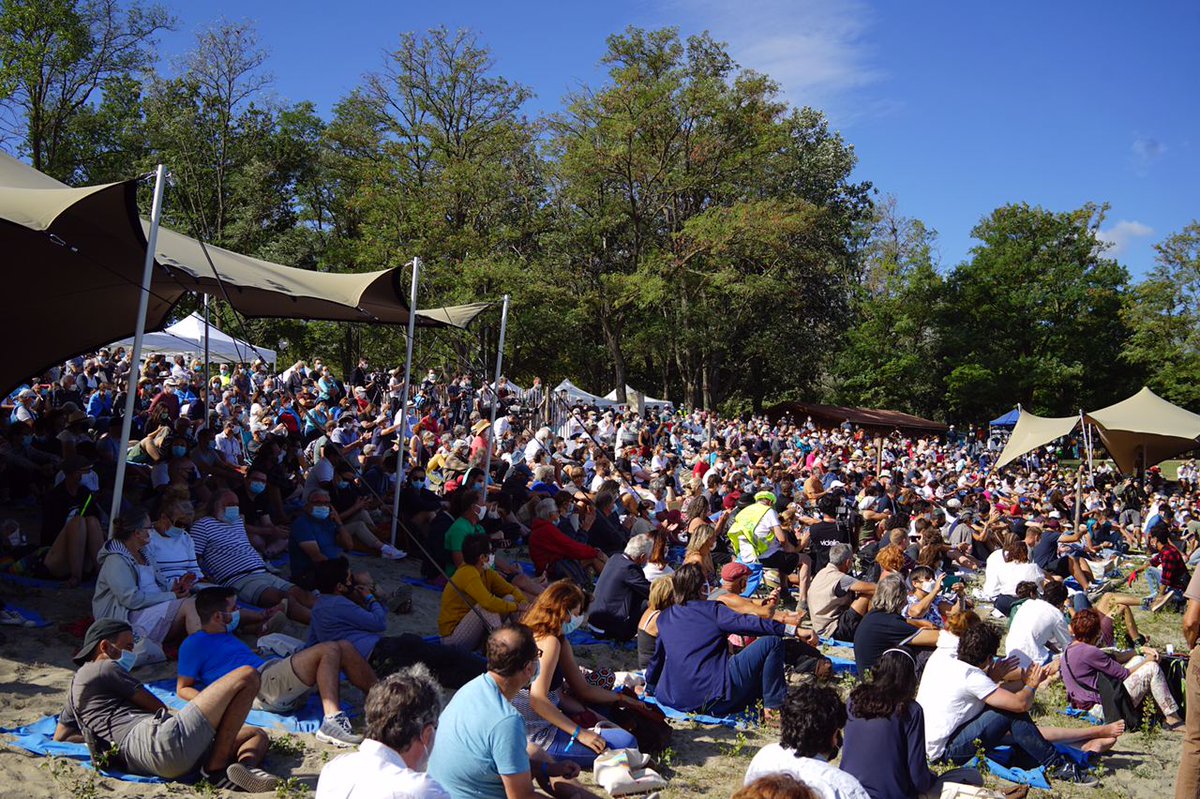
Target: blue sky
[[955, 108]]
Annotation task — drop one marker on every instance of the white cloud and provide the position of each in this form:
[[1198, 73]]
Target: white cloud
[[1122, 234], [815, 49]]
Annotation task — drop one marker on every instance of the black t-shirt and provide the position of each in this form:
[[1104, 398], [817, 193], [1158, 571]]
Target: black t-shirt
[[1046, 550], [822, 536], [877, 633], [253, 507]]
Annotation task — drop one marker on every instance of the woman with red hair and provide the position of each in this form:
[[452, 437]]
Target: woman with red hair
[[555, 705]]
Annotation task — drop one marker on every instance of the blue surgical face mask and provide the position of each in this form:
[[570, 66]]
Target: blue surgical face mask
[[257, 487], [572, 624], [537, 670], [234, 620], [343, 483], [127, 660], [418, 484], [320, 511], [178, 452], [174, 531], [232, 514]]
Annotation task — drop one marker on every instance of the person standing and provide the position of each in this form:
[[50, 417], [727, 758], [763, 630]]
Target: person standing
[[1187, 778]]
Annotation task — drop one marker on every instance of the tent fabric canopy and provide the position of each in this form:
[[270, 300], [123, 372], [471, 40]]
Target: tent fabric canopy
[[1145, 426], [1007, 420], [575, 394], [1032, 432], [187, 335], [78, 255], [866, 417], [630, 391]]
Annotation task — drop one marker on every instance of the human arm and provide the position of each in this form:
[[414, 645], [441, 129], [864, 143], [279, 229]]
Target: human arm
[[185, 688], [473, 585], [730, 622], [1019, 701], [1191, 622], [122, 582]]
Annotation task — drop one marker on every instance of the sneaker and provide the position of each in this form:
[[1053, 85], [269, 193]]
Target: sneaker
[[1161, 602], [239, 777], [1073, 773], [336, 730], [389, 552]]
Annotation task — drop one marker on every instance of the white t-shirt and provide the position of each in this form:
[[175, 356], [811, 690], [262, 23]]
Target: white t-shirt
[[762, 531], [321, 472], [952, 692], [1010, 575], [653, 571], [375, 772], [827, 780], [1035, 624], [991, 574]]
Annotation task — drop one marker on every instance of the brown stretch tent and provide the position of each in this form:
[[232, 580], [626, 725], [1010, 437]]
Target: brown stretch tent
[[1145, 429], [76, 255], [1032, 432], [864, 417]]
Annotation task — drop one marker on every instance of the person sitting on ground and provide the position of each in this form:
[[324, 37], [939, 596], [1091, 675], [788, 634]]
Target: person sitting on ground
[[559, 690], [1046, 554], [701, 542], [1016, 568], [555, 554], [130, 587], [71, 514], [1084, 664], [113, 713], [622, 591], [965, 708], [810, 736], [254, 500], [776, 786], [758, 537], [477, 599], [1166, 571], [228, 559], [482, 750], [885, 734], [351, 510], [348, 610], [1039, 628], [171, 546], [662, 596], [691, 669], [884, 626], [926, 606], [837, 602], [469, 510], [286, 683], [402, 719]]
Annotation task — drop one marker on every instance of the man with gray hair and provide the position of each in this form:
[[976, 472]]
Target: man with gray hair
[[622, 591], [557, 555], [885, 627], [838, 601], [402, 716]]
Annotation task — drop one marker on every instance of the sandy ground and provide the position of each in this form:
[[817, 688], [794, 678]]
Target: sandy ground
[[35, 670]]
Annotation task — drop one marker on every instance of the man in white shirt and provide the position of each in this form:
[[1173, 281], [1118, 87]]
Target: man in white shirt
[[1037, 623], [229, 444], [402, 715], [810, 736]]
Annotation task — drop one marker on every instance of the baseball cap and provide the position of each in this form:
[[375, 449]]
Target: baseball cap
[[101, 630], [544, 488], [764, 495], [733, 571]]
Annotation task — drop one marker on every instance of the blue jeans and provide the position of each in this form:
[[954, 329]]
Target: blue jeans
[[1154, 579], [991, 727], [615, 737], [754, 673]]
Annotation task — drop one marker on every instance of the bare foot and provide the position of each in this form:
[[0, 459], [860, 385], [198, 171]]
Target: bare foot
[[1114, 730], [1099, 745]]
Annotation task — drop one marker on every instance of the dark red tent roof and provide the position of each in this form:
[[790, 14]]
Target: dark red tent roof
[[864, 417]]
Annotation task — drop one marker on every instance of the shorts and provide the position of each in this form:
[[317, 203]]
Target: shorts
[[847, 624], [250, 587], [1060, 567], [168, 746], [281, 690]]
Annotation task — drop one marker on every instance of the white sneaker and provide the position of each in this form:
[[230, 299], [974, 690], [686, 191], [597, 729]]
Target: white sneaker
[[336, 730], [389, 552]]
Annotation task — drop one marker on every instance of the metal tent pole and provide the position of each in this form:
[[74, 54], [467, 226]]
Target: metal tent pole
[[487, 463], [412, 330], [207, 375], [135, 357]]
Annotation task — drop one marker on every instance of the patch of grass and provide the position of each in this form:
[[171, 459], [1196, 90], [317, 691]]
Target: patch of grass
[[289, 745], [74, 781], [292, 788]]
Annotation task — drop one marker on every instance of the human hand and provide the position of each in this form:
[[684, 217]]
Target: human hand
[[593, 741], [1151, 654], [566, 769], [1033, 676], [1002, 668]]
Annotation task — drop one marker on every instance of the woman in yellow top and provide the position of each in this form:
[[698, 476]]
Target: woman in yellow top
[[476, 587]]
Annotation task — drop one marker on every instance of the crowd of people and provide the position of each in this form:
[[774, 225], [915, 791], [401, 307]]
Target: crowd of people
[[735, 553]]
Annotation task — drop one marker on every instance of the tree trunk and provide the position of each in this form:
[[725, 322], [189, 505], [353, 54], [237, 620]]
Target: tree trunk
[[612, 339]]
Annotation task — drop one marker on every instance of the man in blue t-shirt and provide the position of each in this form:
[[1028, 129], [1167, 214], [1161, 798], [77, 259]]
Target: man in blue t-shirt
[[213, 651], [316, 536], [481, 750]]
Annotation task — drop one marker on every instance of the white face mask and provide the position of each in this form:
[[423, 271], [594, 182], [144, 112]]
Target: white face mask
[[481, 511], [491, 561]]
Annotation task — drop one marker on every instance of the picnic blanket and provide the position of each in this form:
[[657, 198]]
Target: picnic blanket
[[38, 739], [738, 721], [998, 762], [1078, 713], [585, 637], [419, 583], [306, 719], [39, 582], [843, 665]]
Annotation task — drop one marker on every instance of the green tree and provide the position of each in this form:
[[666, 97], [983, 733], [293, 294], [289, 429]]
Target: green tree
[[56, 57], [1163, 315], [891, 353], [1034, 316]]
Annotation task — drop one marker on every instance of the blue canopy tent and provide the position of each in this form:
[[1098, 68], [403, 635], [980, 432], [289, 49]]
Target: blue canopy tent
[[1008, 420]]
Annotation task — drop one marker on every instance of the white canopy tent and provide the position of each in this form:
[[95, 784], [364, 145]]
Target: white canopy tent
[[648, 400], [577, 395], [187, 336]]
